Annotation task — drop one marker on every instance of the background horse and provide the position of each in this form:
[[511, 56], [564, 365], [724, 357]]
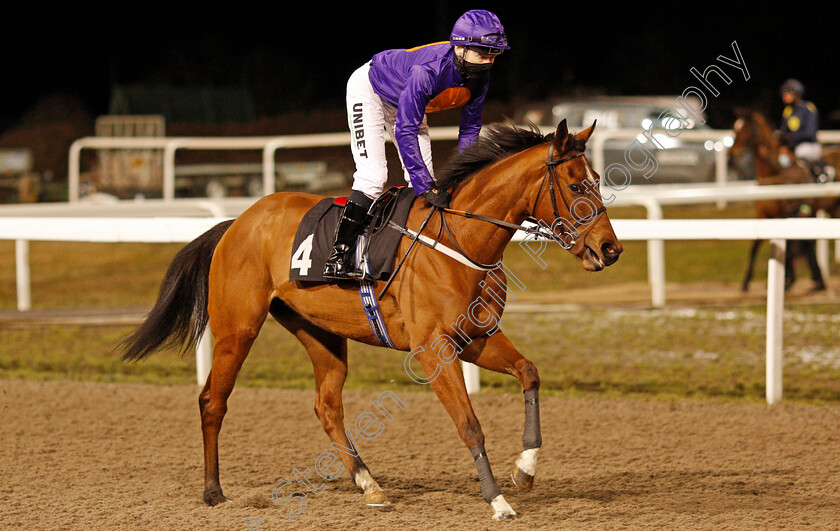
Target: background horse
[[756, 150], [237, 274]]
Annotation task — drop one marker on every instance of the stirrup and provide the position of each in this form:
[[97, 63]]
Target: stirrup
[[340, 267], [355, 275], [337, 268]]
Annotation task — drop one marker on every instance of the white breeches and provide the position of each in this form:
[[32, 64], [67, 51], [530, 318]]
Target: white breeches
[[811, 151], [369, 117]]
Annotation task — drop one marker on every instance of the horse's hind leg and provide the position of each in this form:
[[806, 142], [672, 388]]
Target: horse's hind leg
[[792, 250], [235, 322], [809, 247], [229, 353], [328, 353], [497, 353]]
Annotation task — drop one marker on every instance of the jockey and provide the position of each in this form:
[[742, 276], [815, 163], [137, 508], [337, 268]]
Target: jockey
[[394, 91], [800, 121]]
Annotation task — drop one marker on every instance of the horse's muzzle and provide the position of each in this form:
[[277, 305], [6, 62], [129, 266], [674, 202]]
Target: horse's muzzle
[[605, 255]]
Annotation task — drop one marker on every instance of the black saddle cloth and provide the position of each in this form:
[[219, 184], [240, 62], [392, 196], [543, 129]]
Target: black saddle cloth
[[316, 232]]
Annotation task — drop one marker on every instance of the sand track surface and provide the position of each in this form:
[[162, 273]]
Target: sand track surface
[[121, 456]]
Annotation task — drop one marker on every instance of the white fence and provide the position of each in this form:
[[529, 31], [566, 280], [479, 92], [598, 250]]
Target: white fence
[[653, 197], [270, 145], [186, 229]]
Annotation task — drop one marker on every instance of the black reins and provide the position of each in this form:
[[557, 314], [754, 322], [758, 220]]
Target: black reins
[[538, 230]]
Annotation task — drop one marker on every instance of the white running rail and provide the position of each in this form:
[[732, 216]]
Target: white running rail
[[25, 229]]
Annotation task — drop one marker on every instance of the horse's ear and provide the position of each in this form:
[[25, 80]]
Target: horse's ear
[[584, 135], [561, 137]]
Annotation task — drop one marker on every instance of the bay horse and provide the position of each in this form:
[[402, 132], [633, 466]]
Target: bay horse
[[237, 273], [755, 141]]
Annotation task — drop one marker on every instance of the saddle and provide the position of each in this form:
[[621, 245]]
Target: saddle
[[375, 247]]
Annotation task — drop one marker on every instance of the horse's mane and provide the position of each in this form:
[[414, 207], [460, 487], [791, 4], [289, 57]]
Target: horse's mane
[[497, 141]]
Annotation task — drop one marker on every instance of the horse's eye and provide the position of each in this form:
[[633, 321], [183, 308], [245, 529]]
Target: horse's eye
[[575, 188]]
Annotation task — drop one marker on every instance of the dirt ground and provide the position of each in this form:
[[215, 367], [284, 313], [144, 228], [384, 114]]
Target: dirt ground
[[122, 456]]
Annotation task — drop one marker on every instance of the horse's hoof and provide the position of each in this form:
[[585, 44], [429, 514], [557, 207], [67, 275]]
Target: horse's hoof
[[505, 516], [525, 469], [377, 499], [501, 509], [214, 497], [522, 480]]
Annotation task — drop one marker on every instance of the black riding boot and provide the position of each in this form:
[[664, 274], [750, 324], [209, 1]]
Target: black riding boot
[[340, 265]]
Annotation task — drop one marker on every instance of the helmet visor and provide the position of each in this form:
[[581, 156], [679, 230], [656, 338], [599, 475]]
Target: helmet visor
[[495, 43], [484, 50]]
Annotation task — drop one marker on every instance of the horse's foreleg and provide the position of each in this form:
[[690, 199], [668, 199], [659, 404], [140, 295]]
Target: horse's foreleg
[[450, 389], [328, 353], [746, 284], [498, 354], [228, 355]]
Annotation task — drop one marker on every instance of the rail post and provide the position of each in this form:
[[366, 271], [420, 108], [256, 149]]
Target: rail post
[[775, 310], [24, 293], [471, 377], [720, 173], [204, 356], [823, 252], [169, 169], [655, 257]]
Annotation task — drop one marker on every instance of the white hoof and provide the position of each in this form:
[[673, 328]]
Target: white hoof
[[502, 509], [527, 461], [525, 470]]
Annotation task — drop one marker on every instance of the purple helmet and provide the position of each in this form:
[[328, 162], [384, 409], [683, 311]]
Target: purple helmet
[[481, 29]]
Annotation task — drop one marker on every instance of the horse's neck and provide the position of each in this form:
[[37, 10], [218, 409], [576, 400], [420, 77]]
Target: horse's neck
[[766, 164], [764, 169], [499, 191]]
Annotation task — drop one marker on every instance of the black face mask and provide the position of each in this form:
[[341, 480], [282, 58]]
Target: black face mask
[[471, 70], [476, 70]]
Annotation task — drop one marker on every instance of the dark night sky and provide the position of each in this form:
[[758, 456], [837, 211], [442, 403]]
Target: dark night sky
[[302, 56]]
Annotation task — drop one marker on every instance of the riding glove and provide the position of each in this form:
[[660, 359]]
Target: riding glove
[[437, 197]]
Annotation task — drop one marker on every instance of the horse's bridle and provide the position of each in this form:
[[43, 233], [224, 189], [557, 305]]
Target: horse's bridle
[[553, 180], [550, 175]]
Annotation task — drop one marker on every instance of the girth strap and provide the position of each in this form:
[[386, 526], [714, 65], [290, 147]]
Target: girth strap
[[368, 295]]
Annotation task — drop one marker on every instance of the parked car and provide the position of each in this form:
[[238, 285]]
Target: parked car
[[681, 161]]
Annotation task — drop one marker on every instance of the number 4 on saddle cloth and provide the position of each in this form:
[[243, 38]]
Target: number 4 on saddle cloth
[[314, 237], [375, 247]]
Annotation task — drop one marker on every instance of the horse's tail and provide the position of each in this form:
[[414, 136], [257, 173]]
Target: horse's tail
[[180, 313]]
